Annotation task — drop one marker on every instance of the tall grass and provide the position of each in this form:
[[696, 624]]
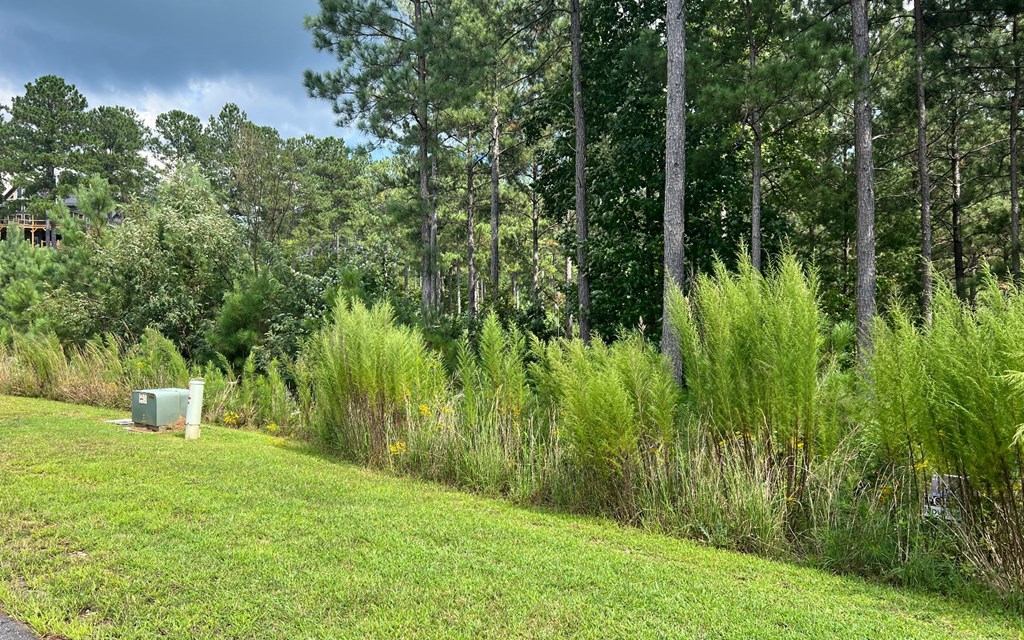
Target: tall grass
[[101, 372], [944, 401], [752, 351], [374, 382], [617, 408], [104, 371]]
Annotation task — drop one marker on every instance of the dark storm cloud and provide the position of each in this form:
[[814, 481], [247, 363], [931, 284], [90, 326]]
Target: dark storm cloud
[[188, 54]]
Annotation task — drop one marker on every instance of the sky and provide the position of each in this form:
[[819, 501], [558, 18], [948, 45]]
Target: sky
[[158, 55]]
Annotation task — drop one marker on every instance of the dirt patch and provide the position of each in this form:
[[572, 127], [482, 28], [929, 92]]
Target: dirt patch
[[174, 427]]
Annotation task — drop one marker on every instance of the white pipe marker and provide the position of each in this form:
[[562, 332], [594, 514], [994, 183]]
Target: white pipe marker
[[194, 410]]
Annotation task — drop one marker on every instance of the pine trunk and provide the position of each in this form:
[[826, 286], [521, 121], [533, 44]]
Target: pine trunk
[[863, 145], [582, 277], [471, 231], [1014, 162], [959, 272], [923, 176], [675, 173], [755, 160], [495, 197], [535, 235], [428, 230]]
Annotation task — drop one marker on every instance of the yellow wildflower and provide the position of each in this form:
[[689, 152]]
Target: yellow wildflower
[[424, 410], [398, 448]]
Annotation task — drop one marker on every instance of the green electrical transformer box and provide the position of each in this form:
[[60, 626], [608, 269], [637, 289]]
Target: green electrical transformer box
[[158, 407]]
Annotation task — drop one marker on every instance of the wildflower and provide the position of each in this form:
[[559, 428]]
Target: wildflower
[[424, 410], [800, 445], [398, 448], [272, 427]]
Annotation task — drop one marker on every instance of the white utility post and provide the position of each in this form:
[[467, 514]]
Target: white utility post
[[194, 410]]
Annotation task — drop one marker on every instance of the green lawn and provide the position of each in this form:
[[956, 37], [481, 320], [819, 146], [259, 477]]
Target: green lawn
[[106, 533]]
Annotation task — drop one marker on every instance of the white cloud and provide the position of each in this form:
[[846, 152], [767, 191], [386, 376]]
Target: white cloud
[[289, 111]]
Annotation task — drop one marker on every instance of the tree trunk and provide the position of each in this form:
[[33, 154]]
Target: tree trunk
[[959, 274], [923, 176], [495, 196], [428, 230], [755, 208], [582, 277], [535, 235], [471, 231], [458, 287], [1014, 162], [436, 271], [863, 144], [675, 174], [755, 160]]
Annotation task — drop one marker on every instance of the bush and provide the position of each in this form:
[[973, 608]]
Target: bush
[[751, 348], [616, 405]]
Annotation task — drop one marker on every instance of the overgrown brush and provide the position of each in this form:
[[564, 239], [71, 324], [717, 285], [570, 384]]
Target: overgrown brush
[[751, 348], [104, 370], [617, 406], [373, 380], [944, 401]]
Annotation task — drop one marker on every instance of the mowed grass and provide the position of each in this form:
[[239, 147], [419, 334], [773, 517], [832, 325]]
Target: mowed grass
[[106, 533]]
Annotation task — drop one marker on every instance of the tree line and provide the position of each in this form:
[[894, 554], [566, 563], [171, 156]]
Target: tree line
[[878, 140], [566, 163]]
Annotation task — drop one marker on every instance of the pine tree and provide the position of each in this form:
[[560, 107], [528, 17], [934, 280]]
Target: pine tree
[[44, 136]]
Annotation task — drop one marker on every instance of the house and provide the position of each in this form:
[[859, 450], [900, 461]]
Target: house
[[41, 232]]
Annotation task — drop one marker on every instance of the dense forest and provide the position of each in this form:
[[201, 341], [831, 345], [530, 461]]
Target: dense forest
[[807, 213], [521, 161]]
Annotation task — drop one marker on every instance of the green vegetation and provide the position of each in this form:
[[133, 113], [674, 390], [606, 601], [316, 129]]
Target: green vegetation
[[774, 445], [945, 402], [348, 297], [104, 371], [107, 533]]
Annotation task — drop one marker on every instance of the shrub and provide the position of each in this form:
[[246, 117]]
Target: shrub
[[751, 348]]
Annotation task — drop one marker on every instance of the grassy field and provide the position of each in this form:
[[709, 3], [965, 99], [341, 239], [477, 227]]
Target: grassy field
[[106, 533]]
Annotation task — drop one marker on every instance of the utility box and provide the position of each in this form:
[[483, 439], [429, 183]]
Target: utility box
[[156, 408]]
